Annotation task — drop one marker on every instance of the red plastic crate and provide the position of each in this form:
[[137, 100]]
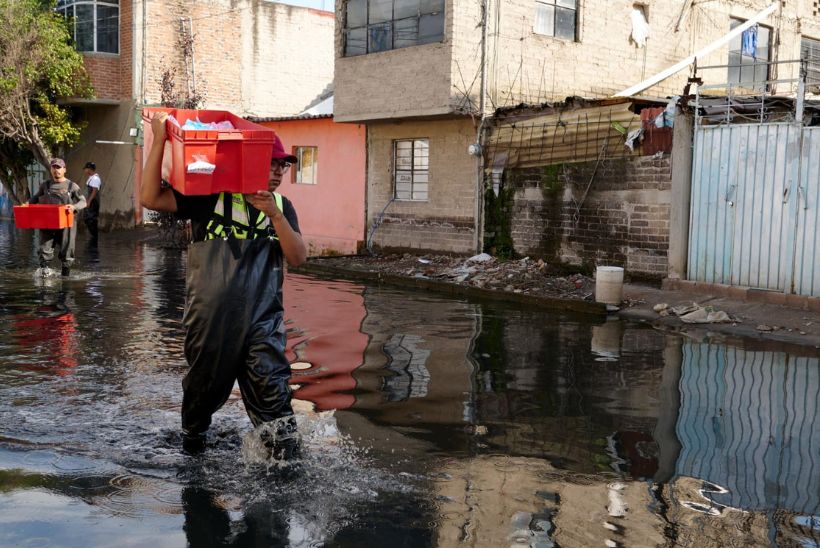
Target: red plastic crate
[[43, 216], [242, 156]]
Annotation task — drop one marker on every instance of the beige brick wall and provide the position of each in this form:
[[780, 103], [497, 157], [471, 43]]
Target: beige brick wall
[[251, 57], [445, 222], [528, 67]]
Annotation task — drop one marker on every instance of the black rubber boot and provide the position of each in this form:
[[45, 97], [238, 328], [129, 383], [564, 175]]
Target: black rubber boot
[[66, 271], [193, 444], [286, 442]]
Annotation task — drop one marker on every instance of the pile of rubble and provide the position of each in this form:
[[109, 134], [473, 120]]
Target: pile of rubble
[[524, 276]]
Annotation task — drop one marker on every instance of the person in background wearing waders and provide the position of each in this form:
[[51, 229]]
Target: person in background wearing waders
[[58, 190], [234, 317], [92, 213]]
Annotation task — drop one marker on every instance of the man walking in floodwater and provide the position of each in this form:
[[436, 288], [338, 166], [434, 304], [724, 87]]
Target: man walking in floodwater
[[58, 190], [234, 316], [92, 213]]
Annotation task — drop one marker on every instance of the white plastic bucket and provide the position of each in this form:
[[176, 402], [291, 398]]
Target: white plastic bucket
[[609, 284]]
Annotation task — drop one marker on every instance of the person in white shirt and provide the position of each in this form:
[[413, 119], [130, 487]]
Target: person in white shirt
[[92, 213]]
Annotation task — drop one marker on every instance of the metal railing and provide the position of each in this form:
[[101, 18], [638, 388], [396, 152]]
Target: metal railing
[[754, 101]]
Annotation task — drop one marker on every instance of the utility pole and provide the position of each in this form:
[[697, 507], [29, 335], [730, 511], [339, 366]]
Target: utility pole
[[478, 241]]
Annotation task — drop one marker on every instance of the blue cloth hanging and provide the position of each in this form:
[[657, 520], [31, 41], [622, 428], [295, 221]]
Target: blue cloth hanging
[[748, 41]]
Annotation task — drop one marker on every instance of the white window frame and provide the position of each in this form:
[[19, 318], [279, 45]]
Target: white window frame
[[546, 26], [411, 171], [67, 8]]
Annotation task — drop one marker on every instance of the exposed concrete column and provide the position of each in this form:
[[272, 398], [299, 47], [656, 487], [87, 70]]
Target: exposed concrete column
[[682, 141]]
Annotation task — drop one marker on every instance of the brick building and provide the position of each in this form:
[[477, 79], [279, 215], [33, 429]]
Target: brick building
[[247, 57], [413, 72]]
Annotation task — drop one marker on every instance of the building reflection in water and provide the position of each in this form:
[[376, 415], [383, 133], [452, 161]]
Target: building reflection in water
[[323, 369], [665, 441]]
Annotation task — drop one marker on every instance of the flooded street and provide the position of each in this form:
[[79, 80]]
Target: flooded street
[[428, 421]]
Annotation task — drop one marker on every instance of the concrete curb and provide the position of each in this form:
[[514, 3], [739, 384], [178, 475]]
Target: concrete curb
[[557, 304], [742, 335], [771, 297]]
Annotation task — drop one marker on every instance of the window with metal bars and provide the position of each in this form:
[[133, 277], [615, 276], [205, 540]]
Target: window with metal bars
[[556, 18], [379, 25], [94, 24], [411, 173]]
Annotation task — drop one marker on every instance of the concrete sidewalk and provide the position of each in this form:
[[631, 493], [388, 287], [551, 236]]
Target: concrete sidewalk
[[754, 319]]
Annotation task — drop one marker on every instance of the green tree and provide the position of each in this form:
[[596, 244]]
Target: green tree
[[38, 66]]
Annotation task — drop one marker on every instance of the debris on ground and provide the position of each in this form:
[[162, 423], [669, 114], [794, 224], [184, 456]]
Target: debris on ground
[[693, 313], [521, 276]]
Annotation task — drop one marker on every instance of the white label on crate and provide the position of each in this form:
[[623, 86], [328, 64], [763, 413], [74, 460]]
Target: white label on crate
[[201, 166]]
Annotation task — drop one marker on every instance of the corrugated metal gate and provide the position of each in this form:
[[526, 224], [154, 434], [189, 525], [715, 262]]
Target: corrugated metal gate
[[754, 210]]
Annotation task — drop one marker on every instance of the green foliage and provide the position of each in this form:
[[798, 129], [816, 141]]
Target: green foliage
[[56, 126], [497, 228], [38, 67]]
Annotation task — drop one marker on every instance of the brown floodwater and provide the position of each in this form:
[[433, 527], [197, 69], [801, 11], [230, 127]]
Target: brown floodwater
[[427, 421]]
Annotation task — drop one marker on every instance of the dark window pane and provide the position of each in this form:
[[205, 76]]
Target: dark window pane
[[84, 28], [356, 42], [406, 8], [107, 29], [431, 6], [565, 23], [379, 37], [431, 28], [356, 14], [406, 32], [380, 11]]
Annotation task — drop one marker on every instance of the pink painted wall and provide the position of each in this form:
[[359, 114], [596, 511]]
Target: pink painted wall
[[331, 212]]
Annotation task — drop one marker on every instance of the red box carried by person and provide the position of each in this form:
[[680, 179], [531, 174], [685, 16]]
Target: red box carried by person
[[43, 216], [204, 162]]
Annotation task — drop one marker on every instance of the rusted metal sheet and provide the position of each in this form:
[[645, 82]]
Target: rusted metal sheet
[[655, 139]]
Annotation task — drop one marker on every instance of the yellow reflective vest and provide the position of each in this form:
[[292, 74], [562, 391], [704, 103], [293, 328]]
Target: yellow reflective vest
[[233, 219]]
